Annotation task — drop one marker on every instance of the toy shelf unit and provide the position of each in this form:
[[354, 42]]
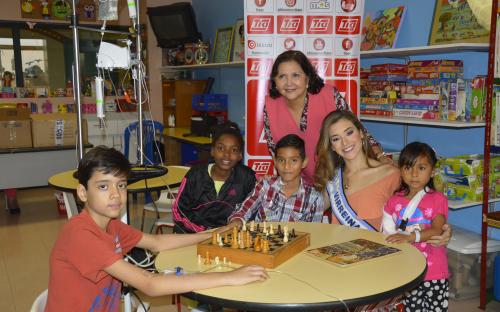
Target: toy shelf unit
[[202, 66]]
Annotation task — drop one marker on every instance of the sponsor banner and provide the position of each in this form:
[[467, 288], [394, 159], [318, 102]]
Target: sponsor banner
[[319, 24], [289, 6], [347, 25], [260, 24], [262, 166], [327, 31], [255, 138], [346, 46], [319, 46], [259, 46], [349, 7], [260, 6], [285, 43], [319, 6], [290, 24], [346, 67], [259, 67], [323, 66], [349, 90]]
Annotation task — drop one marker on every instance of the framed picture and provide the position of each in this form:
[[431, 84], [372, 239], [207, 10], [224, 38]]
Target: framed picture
[[222, 46], [239, 41], [454, 22], [381, 28]]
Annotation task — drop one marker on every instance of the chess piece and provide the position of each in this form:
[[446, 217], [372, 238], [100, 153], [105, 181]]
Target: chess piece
[[285, 238], [265, 246], [248, 241], [199, 259], [258, 227], [226, 238], [214, 238], [244, 227], [217, 261], [207, 258], [264, 226], [224, 260], [279, 230], [252, 226], [285, 230], [256, 245], [293, 234], [271, 230]]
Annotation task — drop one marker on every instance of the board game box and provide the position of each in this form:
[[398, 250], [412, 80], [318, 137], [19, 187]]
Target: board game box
[[352, 252], [254, 246]]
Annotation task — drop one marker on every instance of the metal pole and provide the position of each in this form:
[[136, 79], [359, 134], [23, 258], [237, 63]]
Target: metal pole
[[139, 85], [76, 79]]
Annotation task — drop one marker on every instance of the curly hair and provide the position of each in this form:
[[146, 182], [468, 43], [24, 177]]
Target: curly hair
[[315, 82], [329, 161]]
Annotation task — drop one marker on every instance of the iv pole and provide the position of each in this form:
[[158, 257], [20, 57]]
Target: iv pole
[[77, 97]]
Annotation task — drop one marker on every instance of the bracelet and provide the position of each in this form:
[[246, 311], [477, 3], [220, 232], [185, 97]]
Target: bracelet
[[383, 154], [417, 236]]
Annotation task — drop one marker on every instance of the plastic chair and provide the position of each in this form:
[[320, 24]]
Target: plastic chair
[[40, 302], [162, 205], [152, 133]]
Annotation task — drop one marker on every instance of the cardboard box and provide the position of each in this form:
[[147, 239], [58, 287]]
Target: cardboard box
[[15, 133], [464, 263], [55, 130], [10, 112]]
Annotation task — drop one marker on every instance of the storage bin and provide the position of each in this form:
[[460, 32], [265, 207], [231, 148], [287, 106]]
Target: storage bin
[[464, 263]]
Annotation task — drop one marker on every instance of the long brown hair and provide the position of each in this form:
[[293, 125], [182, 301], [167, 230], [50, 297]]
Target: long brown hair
[[329, 161]]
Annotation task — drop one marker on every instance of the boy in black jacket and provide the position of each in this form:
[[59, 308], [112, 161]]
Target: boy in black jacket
[[209, 193]]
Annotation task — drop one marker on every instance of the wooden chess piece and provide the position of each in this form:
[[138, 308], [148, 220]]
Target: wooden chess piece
[[226, 238], [252, 226], [214, 238], [265, 247], [285, 238], [271, 229], [207, 258], [244, 227], [256, 244]]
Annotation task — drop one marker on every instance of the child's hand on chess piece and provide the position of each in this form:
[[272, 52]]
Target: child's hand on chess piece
[[247, 274]]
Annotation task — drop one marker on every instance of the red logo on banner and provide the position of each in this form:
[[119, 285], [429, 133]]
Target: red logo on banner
[[349, 89], [348, 25], [319, 24], [256, 94], [290, 3], [260, 24], [259, 67], [260, 3], [290, 24], [347, 44], [261, 166], [346, 67], [289, 44], [251, 44], [348, 5], [323, 66]]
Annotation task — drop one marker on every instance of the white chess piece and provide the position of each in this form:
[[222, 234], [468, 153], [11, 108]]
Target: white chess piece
[[244, 227], [252, 226], [285, 238], [199, 259]]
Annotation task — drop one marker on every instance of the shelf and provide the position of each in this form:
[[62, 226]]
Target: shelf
[[459, 204], [434, 49], [427, 122], [201, 66], [54, 99]]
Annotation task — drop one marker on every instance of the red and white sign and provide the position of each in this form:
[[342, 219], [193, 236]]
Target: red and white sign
[[290, 24], [347, 67], [256, 96], [285, 43], [319, 24], [289, 6], [260, 24], [259, 67], [259, 46], [262, 166], [323, 66], [346, 46], [348, 25], [260, 6], [319, 46]]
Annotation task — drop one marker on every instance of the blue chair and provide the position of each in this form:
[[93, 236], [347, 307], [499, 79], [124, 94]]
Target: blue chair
[[152, 137], [152, 134]]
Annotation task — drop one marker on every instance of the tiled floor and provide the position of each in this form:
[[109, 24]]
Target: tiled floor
[[26, 241]]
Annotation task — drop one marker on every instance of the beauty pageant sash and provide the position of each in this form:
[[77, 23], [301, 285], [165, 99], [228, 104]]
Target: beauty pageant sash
[[341, 208]]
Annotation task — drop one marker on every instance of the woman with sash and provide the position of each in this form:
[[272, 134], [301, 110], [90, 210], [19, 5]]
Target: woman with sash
[[353, 181]]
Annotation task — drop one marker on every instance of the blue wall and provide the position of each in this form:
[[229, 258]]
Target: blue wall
[[414, 31]]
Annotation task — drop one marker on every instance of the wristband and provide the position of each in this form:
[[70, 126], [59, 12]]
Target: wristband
[[417, 236]]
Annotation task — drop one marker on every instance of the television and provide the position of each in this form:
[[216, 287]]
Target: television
[[174, 25]]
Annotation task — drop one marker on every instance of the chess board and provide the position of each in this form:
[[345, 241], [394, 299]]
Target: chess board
[[278, 253]]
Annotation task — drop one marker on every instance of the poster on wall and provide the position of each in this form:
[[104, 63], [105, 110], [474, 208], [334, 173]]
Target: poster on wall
[[326, 31], [454, 22], [381, 28]]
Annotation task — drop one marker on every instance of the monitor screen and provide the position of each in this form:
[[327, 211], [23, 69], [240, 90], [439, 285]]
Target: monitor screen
[[174, 24]]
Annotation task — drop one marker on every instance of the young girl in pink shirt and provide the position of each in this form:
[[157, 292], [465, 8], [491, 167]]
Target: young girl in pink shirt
[[414, 214]]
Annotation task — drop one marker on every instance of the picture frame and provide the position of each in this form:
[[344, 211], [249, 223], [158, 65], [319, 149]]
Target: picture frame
[[222, 45], [238, 41], [454, 22]]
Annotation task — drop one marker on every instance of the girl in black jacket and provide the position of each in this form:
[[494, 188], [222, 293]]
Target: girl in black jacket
[[209, 193]]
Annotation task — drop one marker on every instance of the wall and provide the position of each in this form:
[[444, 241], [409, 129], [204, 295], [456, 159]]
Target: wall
[[447, 142]]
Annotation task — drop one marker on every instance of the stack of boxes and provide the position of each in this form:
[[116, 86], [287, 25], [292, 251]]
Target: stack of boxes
[[15, 127], [461, 177], [380, 87]]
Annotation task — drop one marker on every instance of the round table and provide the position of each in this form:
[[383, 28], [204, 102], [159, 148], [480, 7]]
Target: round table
[[307, 283]]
